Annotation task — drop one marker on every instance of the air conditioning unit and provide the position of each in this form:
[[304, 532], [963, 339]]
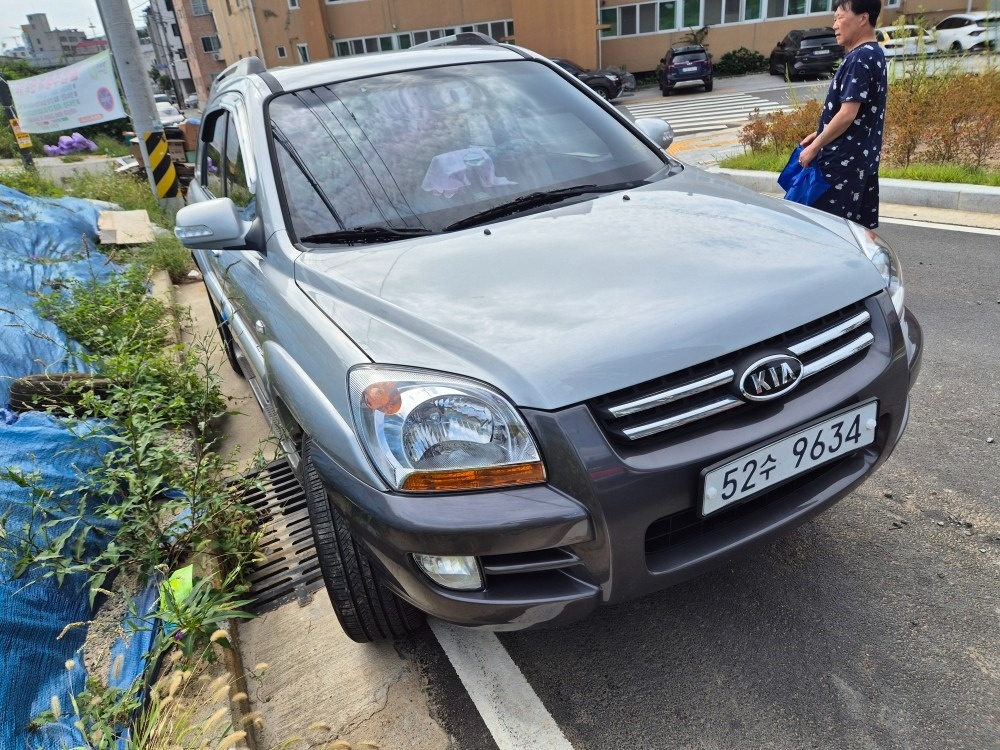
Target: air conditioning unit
[[217, 55]]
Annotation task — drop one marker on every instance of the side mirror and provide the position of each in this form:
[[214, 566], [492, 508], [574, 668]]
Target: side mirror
[[216, 225], [657, 130]]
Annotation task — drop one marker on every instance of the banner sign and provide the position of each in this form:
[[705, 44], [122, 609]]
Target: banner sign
[[84, 93]]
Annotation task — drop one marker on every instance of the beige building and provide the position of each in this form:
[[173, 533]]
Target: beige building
[[594, 33], [202, 44]]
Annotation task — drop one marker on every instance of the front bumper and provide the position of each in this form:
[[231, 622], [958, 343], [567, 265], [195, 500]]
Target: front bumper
[[615, 522]]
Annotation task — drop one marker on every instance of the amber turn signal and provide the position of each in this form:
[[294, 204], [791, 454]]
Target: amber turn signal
[[475, 479]]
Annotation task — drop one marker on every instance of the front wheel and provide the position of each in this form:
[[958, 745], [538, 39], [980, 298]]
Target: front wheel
[[603, 93], [366, 608]]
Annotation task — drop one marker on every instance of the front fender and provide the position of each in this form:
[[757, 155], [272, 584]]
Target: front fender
[[327, 422]]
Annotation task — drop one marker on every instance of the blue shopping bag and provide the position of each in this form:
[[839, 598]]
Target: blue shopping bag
[[802, 184]]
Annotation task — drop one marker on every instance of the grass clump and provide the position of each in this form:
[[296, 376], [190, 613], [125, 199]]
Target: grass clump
[[30, 182]]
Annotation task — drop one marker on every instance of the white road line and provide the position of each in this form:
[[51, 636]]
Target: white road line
[[512, 711], [937, 225]]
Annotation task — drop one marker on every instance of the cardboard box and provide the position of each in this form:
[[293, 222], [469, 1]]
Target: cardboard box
[[190, 132], [176, 151]]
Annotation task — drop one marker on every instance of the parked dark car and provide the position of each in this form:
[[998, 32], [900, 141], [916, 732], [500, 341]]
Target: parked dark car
[[524, 362], [806, 52], [685, 66], [607, 83]]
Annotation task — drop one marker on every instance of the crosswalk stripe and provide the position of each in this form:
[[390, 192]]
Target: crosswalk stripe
[[706, 113]]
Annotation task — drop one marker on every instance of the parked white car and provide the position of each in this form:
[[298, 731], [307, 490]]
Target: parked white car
[[168, 114], [968, 31], [905, 41], [191, 101]]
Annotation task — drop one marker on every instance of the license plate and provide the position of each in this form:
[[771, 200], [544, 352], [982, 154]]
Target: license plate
[[690, 69], [822, 52], [783, 459]]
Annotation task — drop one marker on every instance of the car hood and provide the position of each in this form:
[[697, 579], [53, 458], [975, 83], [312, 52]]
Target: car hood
[[564, 305]]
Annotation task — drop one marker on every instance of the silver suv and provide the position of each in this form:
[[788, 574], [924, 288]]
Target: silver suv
[[524, 362]]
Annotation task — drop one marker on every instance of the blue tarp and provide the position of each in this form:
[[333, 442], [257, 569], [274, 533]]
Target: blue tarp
[[44, 241]]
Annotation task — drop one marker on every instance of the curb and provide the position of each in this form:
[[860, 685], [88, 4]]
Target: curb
[[939, 195]]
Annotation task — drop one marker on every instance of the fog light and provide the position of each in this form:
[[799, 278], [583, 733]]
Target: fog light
[[461, 573]]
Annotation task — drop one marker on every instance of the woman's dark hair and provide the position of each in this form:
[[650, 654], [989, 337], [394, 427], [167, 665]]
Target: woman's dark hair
[[872, 7]]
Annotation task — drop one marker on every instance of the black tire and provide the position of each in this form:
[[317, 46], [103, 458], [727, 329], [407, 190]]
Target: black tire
[[956, 47], [603, 93], [366, 608], [227, 339], [666, 91], [709, 84], [774, 69]]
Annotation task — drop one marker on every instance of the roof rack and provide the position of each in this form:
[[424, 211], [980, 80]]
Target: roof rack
[[243, 67], [457, 40]]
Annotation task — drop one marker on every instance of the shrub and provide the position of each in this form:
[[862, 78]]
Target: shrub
[[741, 62]]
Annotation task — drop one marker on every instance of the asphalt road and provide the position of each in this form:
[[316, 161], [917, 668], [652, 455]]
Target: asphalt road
[[874, 626]]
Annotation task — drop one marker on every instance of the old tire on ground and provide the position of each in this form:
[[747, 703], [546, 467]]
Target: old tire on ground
[[227, 338], [367, 609]]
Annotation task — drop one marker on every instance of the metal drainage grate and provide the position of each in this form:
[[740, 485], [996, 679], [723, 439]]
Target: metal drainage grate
[[290, 570]]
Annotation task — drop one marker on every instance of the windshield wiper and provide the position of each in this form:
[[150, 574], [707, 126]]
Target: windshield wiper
[[365, 235], [533, 200]]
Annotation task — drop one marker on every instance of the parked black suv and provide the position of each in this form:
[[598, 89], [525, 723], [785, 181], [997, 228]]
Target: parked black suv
[[607, 83], [685, 65], [806, 52]]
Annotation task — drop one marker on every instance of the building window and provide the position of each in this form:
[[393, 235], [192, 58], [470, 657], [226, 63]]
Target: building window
[[211, 43], [667, 16], [200, 8], [293, 4], [282, 52], [751, 11], [499, 30], [692, 14], [303, 50]]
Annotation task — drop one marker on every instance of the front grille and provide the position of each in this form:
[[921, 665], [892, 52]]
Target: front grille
[[701, 393]]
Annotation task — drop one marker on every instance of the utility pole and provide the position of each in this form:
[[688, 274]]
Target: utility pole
[[23, 139], [116, 17]]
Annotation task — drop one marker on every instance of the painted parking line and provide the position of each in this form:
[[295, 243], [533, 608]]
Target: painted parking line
[[509, 706], [938, 225]]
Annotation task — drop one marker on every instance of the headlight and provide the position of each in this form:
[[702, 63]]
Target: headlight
[[611, 77], [432, 432], [883, 257]]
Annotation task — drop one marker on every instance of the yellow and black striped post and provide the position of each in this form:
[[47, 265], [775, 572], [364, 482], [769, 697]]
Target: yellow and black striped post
[[164, 174]]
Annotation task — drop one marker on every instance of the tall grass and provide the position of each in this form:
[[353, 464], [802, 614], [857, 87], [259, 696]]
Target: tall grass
[[940, 126]]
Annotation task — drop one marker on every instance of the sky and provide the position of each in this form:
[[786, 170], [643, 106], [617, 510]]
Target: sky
[[62, 14]]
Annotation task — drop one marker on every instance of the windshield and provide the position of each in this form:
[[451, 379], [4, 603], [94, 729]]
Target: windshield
[[428, 148]]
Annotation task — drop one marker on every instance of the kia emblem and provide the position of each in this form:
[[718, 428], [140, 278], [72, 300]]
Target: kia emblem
[[770, 377]]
